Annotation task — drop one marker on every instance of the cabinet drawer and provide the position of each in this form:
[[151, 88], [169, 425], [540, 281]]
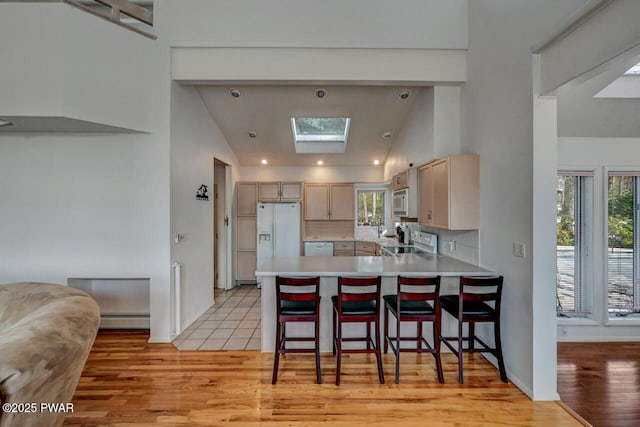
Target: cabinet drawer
[[366, 247], [343, 246], [342, 253]]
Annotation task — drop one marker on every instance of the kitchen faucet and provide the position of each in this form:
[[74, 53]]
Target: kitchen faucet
[[379, 228]]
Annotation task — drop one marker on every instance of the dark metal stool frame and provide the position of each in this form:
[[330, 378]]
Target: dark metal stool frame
[[297, 307], [472, 308], [357, 301], [417, 300]]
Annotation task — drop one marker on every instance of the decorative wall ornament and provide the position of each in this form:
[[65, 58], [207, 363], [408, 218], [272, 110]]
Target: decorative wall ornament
[[201, 193]]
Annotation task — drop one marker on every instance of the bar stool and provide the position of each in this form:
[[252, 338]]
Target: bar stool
[[298, 300], [417, 300], [472, 305], [357, 301]]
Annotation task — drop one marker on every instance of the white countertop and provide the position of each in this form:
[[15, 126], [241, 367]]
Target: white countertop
[[383, 241], [407, 264]]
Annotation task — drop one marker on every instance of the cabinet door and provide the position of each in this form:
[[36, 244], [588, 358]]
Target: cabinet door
[[269, 191], [440, 195], [290, 191], [246, 266], [247, 198], [316, 201], [400, 181], [246, 234], [342, 202], [425, 210], [463, 192]]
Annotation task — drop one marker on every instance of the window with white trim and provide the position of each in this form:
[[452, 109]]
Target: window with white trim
[[371, 207], [623, 248], [574, 245]]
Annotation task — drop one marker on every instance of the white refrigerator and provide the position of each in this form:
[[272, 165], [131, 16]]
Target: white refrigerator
[[278, 226]]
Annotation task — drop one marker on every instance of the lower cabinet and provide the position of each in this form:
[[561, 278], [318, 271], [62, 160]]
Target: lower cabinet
[[365, 249], [343, 249], [246, 266]]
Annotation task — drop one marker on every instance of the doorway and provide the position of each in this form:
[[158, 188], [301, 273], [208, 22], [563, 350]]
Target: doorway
[[221, 234]]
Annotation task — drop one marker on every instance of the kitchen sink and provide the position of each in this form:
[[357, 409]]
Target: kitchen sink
[[397, 250]]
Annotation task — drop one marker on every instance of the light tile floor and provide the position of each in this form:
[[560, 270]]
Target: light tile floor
[[233, 323]]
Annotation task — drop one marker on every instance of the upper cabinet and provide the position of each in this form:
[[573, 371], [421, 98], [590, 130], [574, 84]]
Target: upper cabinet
[[400, 181], [279, 191], [329, 202], [247, 198], [449, 193]]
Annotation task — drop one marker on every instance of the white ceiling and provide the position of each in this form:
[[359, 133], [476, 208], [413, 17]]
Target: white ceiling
[[266, 110]]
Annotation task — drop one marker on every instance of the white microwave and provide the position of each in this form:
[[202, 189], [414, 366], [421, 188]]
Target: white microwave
[[400, 202]]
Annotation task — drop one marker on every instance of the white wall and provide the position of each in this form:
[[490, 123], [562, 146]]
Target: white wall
[[446, 120], [497, 124], [195, 141], [32, 70], [312, 174], [305, 23], [414, 143], [597, 154], [85, 205], [67, 59]]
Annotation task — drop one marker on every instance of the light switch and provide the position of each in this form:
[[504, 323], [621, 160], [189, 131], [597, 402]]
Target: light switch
[[518, 249]]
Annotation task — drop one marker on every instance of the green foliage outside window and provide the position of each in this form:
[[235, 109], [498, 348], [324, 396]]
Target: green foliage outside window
[[371, 208]]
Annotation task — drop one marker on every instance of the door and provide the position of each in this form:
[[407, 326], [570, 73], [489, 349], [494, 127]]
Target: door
[[286, 229], [264, 237], [216, 236], [221, 241]]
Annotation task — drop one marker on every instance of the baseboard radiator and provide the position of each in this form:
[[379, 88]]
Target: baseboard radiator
[[176, 324]]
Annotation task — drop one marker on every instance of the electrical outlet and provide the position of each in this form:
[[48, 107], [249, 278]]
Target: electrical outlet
[[564, 331], [180, 237], [518, 249], [452, 245]]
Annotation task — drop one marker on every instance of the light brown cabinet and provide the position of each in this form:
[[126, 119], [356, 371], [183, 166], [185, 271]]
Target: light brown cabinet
[[400, 181], [365, 249], [246, 206], [279, 191], [449, 193], [343, 248], [329, 202], [247, 199]]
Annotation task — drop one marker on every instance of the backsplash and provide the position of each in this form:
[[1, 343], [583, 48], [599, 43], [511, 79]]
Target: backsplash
[[465, 244]]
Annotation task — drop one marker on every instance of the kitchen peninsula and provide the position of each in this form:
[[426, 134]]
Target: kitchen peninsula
[[330, 267]]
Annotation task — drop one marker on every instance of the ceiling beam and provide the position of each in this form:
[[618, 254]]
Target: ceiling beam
[[215, 65]]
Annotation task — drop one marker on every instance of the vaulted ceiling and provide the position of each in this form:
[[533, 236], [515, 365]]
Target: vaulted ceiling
[[266, 110]]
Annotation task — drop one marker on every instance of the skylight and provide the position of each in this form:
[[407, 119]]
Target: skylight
[[320, 134], [633, 71]]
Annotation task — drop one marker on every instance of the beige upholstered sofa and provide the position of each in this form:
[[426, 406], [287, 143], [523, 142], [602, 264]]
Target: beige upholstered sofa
[[46, 332]]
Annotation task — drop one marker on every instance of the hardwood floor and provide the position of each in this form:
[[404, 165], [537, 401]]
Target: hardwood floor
[[601, 381], [128, 382]]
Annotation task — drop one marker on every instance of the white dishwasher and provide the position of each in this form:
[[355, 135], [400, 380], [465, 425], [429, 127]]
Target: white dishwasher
[[318, 248]]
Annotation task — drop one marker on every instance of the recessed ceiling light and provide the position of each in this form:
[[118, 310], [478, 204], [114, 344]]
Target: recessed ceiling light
[[320, 93], [404, 93], [252, 134], [4, 122], [264, 161], [387, 135], [234, 92], [376, 162], [320, 162]]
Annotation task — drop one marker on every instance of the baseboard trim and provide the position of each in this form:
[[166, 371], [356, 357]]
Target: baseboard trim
[[574, 414]]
